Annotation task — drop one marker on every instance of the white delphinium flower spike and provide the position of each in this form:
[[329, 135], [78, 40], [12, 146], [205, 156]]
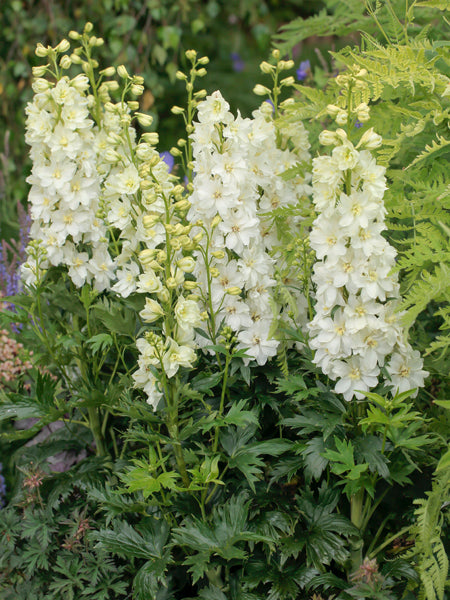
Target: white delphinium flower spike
[[355, 331]]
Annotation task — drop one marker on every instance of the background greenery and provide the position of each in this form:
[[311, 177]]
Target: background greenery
[[292, 455]]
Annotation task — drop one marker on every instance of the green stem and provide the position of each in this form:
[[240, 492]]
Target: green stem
[[222, 400], [173, 433], [388, 541], [96, 428], [357, 517]]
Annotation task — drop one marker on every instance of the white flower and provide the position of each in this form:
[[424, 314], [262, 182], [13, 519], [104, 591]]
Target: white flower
[[187, 313], [256, 343], [125, 181], [126, 280], [214, 109], [354, 373], [78, 268], [177, 356], [149, 282], [328, 239], [101, 266], [405, 371], [152, 311], [345, 156]]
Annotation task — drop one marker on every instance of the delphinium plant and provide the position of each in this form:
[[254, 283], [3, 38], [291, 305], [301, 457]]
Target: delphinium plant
[[192, 326]]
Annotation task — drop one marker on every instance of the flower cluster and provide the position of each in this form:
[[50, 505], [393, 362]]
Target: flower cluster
[[65, 183], [356, 330], [236, 163], [13, 359]]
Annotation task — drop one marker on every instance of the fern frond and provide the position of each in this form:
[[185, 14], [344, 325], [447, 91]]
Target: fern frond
[[429, 551], [440, 146], [431, 286]]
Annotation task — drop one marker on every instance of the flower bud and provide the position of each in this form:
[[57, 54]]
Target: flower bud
[[147, 256], [180, 76], [285, 65], [363, 112], [151, 138], [190, 285], [186, 264], [204, 60], [143, 119], [219, 254], [200, 94], [111, 156], [370, 140], [266, 67], [171, 283], [177, 110], [163, 295], [76, 60], [122, 72], [63, 46], [152, 311], [65, 62], [136, 89], [88, 27], [74, 35], [327, 138], [261, 90], [287, 81], [191, 54], [341, 135], [108, 72], [214, 272], [276, 54], [233, 291], [333, 110], [182, 205], [40, 85], [150, 221], [341, 117], [41, 51], [39, 71], [217, 219], [287, 102]]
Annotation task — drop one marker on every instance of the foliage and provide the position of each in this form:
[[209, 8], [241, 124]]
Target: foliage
[[180, 436]]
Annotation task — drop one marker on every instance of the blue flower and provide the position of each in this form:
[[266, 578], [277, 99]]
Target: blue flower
[[303, 70], [2, 488], [168, 159], [237, 63], [358, 124]]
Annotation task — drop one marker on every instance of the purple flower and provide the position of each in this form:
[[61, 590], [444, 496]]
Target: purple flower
[[2, 488], [168, 159], [237, 63], [303, 70], [358, 124]]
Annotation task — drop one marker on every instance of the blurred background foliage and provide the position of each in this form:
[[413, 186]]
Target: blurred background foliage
[[150, 38]]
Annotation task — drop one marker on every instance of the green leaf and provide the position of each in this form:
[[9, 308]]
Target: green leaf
[[444, 462], [128, 542], [100, 342]]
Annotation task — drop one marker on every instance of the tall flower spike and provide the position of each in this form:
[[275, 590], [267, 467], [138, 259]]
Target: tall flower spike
[[356, 331], [237, 163]]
